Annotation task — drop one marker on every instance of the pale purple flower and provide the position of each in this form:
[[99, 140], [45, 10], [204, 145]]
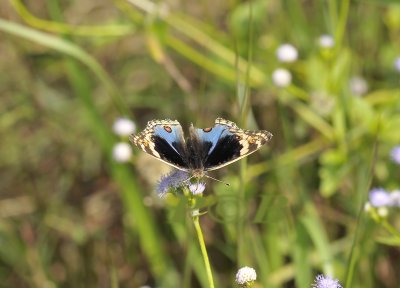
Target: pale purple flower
[[379, 197], [197, 188], [246, 275], [172, 180], [395, 154], [322, 281]]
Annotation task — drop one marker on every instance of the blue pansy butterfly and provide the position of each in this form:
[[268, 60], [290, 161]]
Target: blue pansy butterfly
[[204, 150]]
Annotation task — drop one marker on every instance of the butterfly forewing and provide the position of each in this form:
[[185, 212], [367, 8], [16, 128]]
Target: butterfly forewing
[[164, 140], [232, 144]]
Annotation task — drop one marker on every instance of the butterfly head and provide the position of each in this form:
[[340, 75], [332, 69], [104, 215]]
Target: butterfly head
[[198, 173]]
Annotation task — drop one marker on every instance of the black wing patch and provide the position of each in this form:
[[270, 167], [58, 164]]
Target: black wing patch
[[163, 139], [227, 149], [172, 152]]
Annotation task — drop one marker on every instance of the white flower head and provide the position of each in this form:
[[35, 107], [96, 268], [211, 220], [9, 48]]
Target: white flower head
[[397, 64], [122, 152], [287, 53], [124, 127], [326, 41], [383, 211], [246, 275], [358, 85], [197, 188], [367, 207], [395, 198], [281, 77]]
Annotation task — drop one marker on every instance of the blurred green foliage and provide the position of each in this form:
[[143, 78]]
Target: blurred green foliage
[[73, 217]]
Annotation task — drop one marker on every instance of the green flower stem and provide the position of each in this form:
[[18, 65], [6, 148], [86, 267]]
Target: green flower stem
[[203, 248], [390, 228]]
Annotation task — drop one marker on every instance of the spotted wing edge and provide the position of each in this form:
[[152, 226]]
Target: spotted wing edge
[[258, 139], [143, 140]]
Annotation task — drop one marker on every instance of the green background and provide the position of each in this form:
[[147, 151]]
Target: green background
[[70, 216]]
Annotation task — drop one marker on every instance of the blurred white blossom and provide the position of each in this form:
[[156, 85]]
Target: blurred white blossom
[[395, 154], [358, 86], [246, 275], [122, 152], [322, 102], [287, 53], [326, 41], [397, 64], [395, 198], [367, 207], [281, 77], [383, 212], [124, 127]]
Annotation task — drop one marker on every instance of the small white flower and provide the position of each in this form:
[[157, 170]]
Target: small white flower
[[122, 152], [358, 86], [124, 127], [397, 64], [326, 41], [383, 211], [395, 198], [286, 53], [367, 207], [197, 188], [245, 275], [281, 77]]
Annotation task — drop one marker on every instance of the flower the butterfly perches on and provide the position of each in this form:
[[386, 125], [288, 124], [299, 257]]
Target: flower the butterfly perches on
[[204, 150]]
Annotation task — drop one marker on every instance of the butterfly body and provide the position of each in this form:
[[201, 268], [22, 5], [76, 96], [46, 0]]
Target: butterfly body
[[204, 150]]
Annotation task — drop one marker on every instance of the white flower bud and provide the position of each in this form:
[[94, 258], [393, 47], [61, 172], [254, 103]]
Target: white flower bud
[[281, 77], [124, 127], [122, 152], [286, 53], [326, 41], [245, 275]]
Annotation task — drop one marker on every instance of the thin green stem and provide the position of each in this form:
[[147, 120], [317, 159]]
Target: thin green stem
[[390, 228], [203, 249], [341, 25]]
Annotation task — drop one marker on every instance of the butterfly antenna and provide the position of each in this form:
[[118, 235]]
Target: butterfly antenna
[[188, 179], [227, 184]]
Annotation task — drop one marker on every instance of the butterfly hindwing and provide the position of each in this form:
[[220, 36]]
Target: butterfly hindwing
[[164, 140], [226, 143]]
